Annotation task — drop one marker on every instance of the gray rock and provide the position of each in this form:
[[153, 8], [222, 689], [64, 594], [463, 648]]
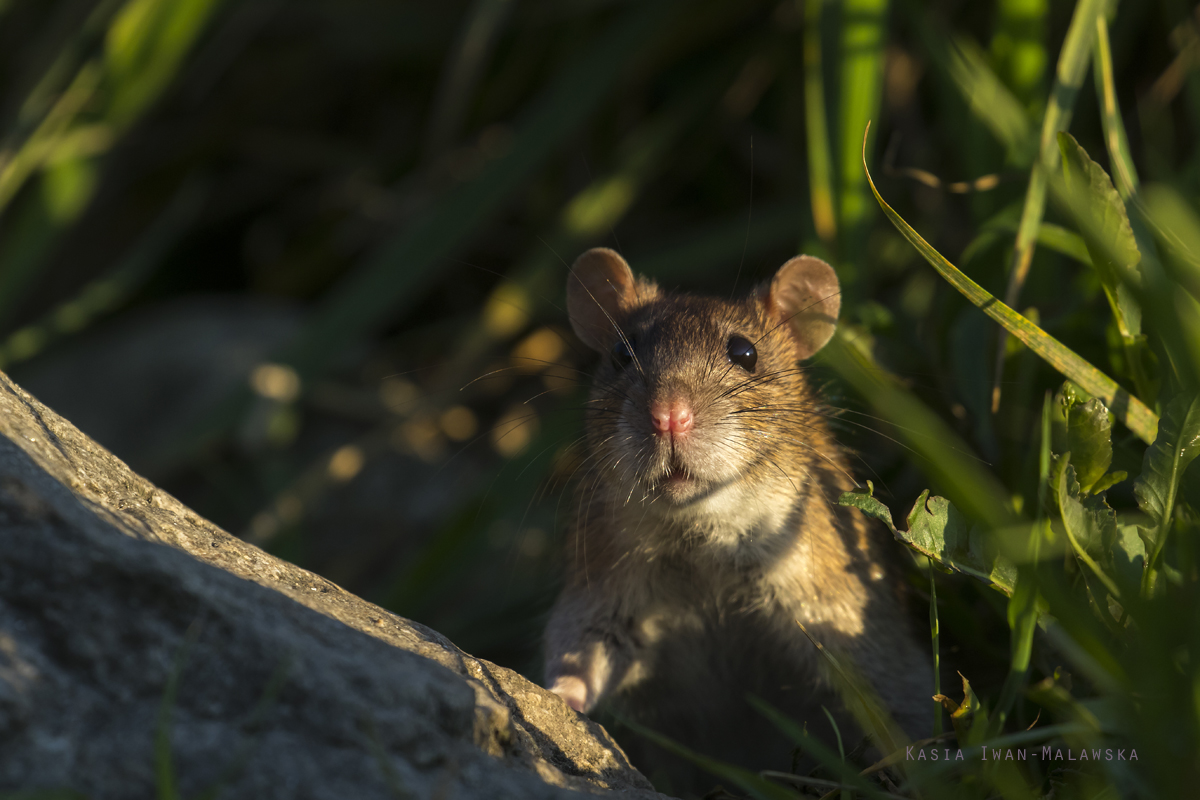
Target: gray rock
[[136, 637]]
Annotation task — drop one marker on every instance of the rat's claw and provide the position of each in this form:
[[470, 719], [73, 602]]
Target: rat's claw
[[573, 691]]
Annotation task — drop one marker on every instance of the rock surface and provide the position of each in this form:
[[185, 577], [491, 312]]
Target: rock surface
[[140, 644]]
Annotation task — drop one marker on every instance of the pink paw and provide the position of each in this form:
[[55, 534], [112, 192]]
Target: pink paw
[[573, 691]]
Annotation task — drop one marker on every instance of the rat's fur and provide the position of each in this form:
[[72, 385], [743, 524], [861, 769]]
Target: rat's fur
[[682, 594]]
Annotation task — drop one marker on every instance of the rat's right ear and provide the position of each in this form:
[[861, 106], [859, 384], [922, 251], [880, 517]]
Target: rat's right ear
[[805, 296], [600, 288]]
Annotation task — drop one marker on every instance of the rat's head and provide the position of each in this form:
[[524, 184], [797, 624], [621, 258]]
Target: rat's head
[[699, 401]]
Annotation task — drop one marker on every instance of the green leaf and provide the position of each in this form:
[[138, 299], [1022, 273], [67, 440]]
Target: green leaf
[[961, 714], [1127, 408], [1108, 481], [1177, 443], [1106, 231], [1084, 429], [865, 501], [1087, 527], [1128, 555], [938, 530]]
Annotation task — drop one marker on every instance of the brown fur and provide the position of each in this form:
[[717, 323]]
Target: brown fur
[[680, 599]]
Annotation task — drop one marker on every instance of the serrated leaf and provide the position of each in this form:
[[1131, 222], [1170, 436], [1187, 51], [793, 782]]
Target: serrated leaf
[[1128, 555], [1084, 429], [1088, 527], [938, 530], [865, 501], [1059, 465], [1175, 446], [1106, 231], [1108, 481]]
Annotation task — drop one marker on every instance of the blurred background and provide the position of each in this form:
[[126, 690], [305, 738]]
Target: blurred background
[[301, 262]]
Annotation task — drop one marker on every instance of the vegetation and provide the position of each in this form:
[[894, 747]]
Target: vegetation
[[408, 181]]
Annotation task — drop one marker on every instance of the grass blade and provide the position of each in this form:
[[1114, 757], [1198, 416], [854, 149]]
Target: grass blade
[[109, 291], [934, 634], [820, 180], [394, 279], [861, 86], [1072, 62], [1115, 138], [758, 787], [1018, 49], [464, 67], [946, 458], [814, 747], [1127, 408], [990, 100]]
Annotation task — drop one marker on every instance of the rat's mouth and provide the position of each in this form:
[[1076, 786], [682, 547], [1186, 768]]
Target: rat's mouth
[[677, 483], [677, 475]]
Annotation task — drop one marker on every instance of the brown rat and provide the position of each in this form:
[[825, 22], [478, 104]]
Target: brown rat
[[706, 524]]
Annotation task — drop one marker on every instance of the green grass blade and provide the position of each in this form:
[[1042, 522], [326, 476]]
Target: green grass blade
[[145, 46], [1053, 237], [106, 293], [1128, 409], [935, 636], [464, 67], [1115, 138], [395, 277], [816, 126], [71, 55], [41, 144], [985, 94], [861, 86], [1072, 62], [990, 100], [1018, 49], [814, 747]]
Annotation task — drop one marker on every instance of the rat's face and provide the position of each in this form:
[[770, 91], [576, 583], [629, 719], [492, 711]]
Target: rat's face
[[697, 401]]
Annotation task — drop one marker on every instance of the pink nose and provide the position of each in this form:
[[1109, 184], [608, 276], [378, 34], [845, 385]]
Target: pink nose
[[671, 417]]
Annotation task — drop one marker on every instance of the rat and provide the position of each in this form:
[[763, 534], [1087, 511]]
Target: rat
[[706, 525]]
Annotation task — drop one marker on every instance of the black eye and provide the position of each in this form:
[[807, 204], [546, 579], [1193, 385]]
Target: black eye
[[621, 354], [742, 353]]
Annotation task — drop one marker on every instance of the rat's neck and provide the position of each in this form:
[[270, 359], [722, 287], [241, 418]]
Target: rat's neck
[[745, 521]]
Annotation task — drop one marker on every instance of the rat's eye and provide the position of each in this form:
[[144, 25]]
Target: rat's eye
[[742, 353], [621, 354]]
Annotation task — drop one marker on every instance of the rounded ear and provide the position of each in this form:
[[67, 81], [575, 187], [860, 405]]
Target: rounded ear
[[600, 289], [805, 296]]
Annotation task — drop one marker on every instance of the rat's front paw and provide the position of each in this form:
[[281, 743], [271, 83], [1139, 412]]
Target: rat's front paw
[[573, 691]]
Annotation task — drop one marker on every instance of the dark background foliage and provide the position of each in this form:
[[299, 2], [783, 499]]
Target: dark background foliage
[[301, 262]]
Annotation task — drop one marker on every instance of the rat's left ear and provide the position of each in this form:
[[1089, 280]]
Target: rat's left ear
[[805, 297]]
